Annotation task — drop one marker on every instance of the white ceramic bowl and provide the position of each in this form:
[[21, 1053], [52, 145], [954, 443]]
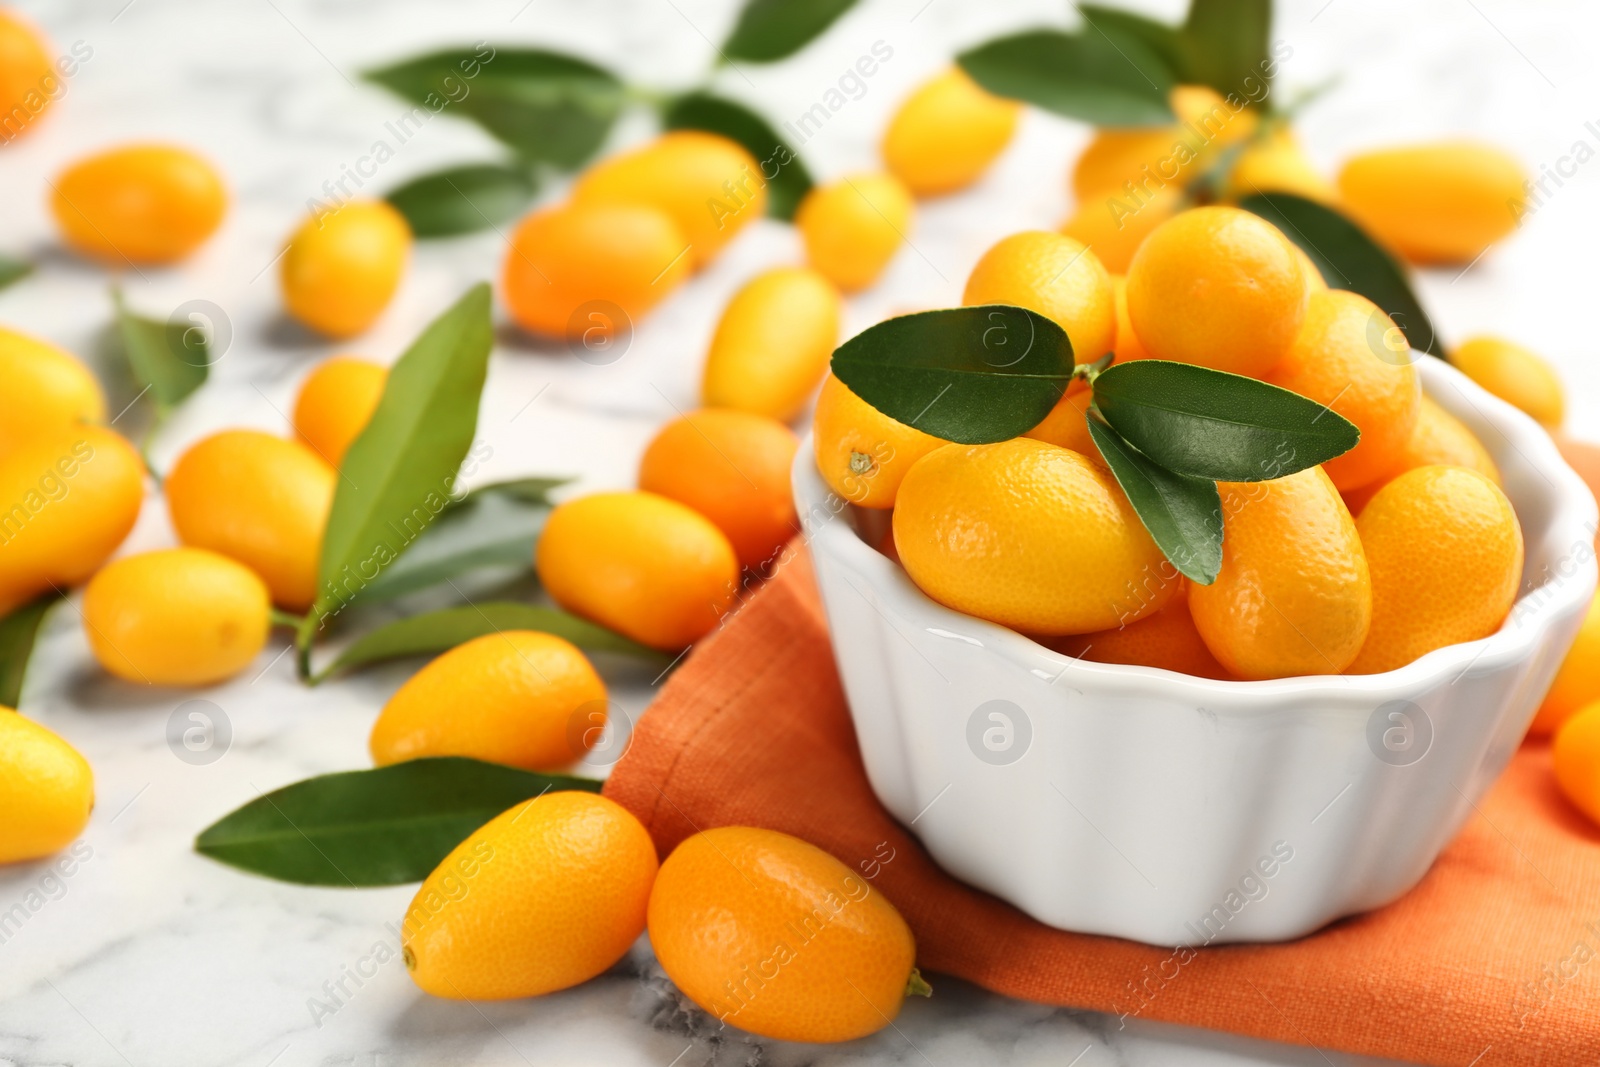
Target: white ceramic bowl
[[1176, 810]]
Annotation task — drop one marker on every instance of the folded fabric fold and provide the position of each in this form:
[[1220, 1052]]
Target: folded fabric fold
[[1490, 961]]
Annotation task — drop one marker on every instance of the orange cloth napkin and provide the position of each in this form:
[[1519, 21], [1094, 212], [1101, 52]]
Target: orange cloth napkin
[[1491, 960]]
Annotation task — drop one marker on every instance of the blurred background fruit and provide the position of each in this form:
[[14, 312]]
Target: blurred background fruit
[[773, 343], [510, 697], [258, 499], [947, 133], [1514, 374], [335, 403], [177, 616], [46, 389], [46, 790], [343, 266], [1435, 203], [26, 75], [853, 227], [143, 203]]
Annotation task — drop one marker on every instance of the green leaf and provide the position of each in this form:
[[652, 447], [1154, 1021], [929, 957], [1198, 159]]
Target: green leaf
[[786, 176], [1100, 74], [170, 358], [463, 199], [399, 472], [549, 107], [1161, 38], [492, 526], [440, 631], [368, 828], [772, 29], [971, 374], [1183, 515], [13, 270], [1349, 259], [1225, 42], [18, 631], [1207, 423]]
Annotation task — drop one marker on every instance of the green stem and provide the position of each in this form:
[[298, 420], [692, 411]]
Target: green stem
[[286, 618], [917, 986], [305, 634]]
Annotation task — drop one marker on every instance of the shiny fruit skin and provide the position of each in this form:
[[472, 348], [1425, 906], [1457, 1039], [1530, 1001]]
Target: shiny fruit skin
[[623, 258], [1445, 551], [1166, 639], [342, 267], [28, 81], [1114, 225], [1315, 282], [862, 453], [335, 403], [258, 499], [72, 495], [1342, 359], [947, 133], [1160, 157], [648, 567], [46, 790], [46, 389], [516, 697], [1577, 683], [1277, 164], [1438, 438], [177, 616], [733, 468], [776, 937], [1435, 203], [1067, 424], [1128, 347], [144, 203], [1218, 287], [710, 186], [773, 343], [1575, 759], [540, 898], [1055, 276], [1028, 535], [1294, 596], [1514, 374], [853, 227]]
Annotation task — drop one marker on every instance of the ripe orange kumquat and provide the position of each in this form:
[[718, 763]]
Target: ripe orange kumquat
[[28, 80], [1514, 374], [1056, 276], [46, 790], [46, 389], [947, 133], [853, 227], [773, 343], [1435, 203], [335, 402], [862, 453], [1575, 758], [1577, 683], [144, 203], [342, 267]]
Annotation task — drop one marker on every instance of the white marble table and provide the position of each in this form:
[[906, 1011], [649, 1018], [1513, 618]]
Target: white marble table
[[151, 954]]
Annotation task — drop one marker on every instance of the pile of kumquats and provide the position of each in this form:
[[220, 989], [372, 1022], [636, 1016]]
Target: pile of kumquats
[[1081, 494]]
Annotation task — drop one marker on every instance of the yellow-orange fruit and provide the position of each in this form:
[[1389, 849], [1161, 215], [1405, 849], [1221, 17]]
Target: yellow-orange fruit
[[258, 499], [1028, 535], [853, 227], [1514, 374], [46, 790], [177, 616], [1350, 357], [46, 389], [1435, 203], [1056, 276], [616, 260], [1277, 164], [1445, 552], [517, 697], [1294, 595], [1218, 287], [342, 267], [710, 186], [143, 203], [1066, 424], [1167, 639], [733, 468], [1134, 163], [862, 453], [69, 496], [335, 402], [540, 898], [1575, 759], [1128, 347], [773, 343], [947, 133], [648, 567], [28, 80], [1577, 683], [1438, 438], [774, 936], [1114, 225]]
